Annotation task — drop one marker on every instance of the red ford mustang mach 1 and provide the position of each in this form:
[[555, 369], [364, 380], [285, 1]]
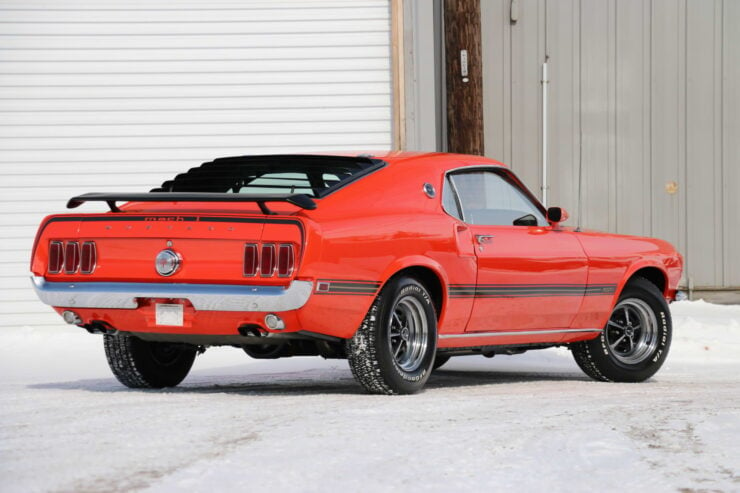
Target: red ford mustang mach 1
[[396, 262]]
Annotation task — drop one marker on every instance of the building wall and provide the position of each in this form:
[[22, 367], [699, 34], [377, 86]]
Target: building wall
[[423, 81], [108, 95], [644, 117]]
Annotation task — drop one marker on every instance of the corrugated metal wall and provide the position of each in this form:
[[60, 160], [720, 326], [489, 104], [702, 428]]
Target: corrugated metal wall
[[642, 94], [111, 95]]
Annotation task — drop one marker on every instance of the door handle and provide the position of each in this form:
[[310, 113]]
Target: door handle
[[484, 239]]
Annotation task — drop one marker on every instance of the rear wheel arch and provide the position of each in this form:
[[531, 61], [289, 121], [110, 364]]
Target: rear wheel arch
[[394, 349], [430, 279]]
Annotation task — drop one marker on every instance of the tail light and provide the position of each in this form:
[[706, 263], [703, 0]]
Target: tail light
[[251, 260], [269, 259], [88, 257], [71, 257], [285, 261], [267, 262], [56, 257]]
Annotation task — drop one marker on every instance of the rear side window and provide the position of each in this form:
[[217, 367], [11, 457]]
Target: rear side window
[[316, 176]]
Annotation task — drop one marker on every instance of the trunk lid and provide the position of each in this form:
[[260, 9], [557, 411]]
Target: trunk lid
[[211, 246]]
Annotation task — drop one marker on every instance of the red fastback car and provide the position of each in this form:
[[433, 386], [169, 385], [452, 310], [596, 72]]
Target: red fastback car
[[396, 262]]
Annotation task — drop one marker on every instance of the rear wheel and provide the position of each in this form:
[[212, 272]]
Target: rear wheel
[[394, 349], [635, 342], [144, 364]]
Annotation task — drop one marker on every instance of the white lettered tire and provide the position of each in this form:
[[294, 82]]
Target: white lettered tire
[[635, 342], [394, 349]]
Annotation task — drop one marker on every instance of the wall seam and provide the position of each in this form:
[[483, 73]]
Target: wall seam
[[686, 140], [719, 38], [613, 150], [648, 90], [580, 114]]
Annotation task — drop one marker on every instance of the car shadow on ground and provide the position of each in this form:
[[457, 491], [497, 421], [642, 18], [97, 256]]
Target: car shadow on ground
[[311, 382]]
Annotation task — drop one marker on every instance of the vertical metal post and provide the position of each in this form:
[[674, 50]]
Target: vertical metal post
[[544, 132]]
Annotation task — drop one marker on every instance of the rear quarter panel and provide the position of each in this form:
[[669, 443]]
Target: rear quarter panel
[[371, 230]]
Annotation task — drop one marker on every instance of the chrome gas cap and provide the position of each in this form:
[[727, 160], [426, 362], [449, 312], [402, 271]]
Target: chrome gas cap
[[167, 262]]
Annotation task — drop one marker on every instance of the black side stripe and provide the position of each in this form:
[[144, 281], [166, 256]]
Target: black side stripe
[[529, 290], [348, 287]]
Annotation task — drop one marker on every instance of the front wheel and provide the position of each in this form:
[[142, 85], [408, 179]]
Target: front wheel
[[145, 364], [393, 350], [635, 342]]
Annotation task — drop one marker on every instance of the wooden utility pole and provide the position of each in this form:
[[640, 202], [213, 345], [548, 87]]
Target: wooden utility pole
[[464, 66]]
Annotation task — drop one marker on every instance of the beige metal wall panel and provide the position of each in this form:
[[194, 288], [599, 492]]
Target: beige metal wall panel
[[703, 152], [644, 98], [421, 64], [527, 53], [496, 54], [731, 141], [632, 116], [596, 124], [112, 95], [668, 126], [564, 104]]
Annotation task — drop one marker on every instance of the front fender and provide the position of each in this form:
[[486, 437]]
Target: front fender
[[668, 285]]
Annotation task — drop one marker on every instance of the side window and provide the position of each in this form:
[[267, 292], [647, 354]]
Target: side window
[[488, 198], [449, 202]]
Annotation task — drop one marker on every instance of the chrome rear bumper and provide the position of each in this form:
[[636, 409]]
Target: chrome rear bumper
[[205, 297]]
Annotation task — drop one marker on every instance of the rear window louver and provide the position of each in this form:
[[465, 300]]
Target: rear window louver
[[296, 179], [315, 176]]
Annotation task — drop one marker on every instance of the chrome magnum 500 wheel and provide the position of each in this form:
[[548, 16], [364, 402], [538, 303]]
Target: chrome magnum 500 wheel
[[635, 341], [632, 331], [144, 364], [393, 350]]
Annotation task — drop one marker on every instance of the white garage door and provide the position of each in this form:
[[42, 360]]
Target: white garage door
[[103, 96]]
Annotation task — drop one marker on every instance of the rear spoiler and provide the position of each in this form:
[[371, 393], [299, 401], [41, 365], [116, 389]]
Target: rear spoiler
[[299, 199]]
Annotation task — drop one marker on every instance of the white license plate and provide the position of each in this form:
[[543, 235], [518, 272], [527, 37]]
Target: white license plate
[[169, 314]]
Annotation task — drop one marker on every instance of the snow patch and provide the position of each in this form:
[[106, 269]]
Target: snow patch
[[528, 422]]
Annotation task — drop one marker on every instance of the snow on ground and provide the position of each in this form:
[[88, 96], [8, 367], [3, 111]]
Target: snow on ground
[[531, 422]]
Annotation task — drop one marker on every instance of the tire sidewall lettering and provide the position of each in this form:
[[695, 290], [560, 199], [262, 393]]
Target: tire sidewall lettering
[[422, 295], [608, 365]]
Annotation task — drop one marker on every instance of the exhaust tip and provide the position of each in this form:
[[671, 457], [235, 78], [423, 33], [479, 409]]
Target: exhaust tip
[[71, 317], [273, 322]]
